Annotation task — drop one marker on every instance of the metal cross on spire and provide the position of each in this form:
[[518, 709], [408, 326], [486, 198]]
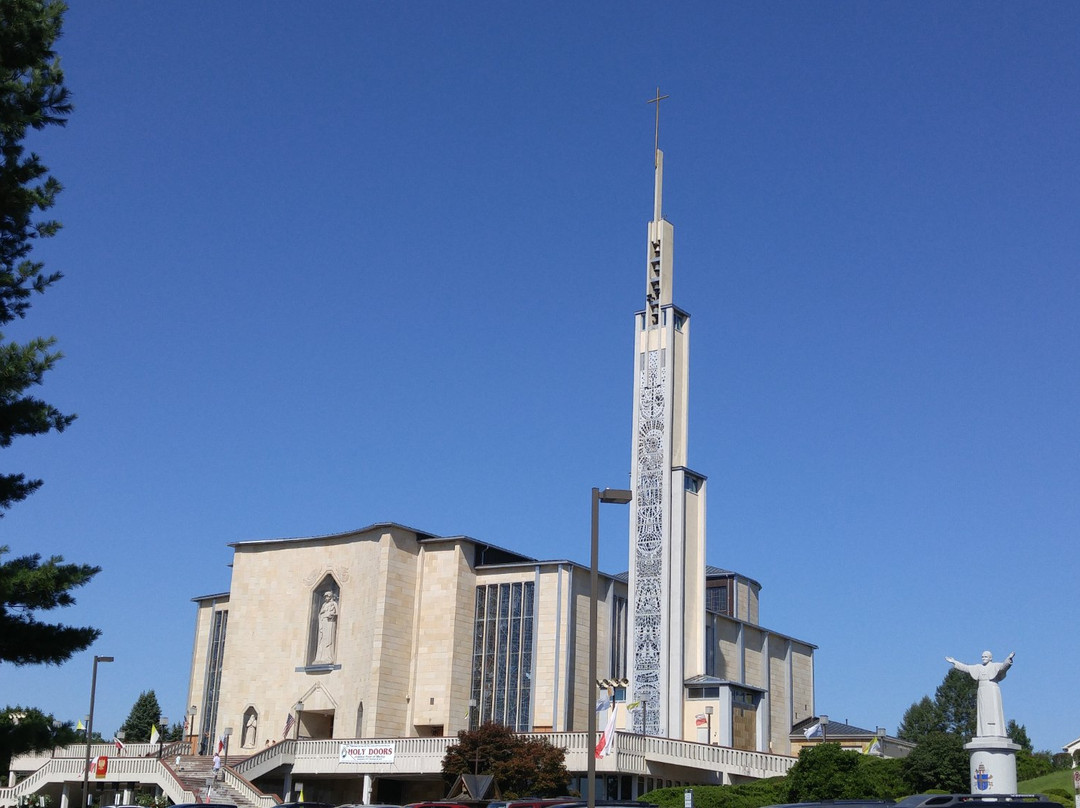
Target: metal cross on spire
[[656, 139]]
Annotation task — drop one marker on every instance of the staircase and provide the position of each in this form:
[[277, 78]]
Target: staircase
[[196, 772]]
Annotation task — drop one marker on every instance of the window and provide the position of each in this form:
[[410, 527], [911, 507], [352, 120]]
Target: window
[[703, 692], [502, 654], [716, 598], [213, 676], [618, 637]]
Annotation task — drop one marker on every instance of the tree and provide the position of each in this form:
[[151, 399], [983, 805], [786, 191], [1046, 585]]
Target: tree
[[956, 698], [824, 771], [921, 719], [27, 585], [953, 710], [1018, 734], [520, 766], [145, 713], [32, 96], [939, 761], [25, 729]]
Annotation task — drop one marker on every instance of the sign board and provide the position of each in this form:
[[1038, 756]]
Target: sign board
[[366, 753]]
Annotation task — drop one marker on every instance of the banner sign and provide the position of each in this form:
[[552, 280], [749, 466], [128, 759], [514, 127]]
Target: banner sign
[[366, 753], [102, 767]]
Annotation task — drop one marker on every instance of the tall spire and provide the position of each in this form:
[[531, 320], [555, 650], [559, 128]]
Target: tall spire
[[658, 159], [658, 286]]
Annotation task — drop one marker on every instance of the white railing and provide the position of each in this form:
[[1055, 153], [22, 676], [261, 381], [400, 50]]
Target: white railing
[[121, 770], [633, 754]]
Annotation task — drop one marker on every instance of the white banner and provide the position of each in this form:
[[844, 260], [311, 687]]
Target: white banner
[[366, 753]]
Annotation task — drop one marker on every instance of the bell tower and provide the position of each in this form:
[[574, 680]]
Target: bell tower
[[667, 517]]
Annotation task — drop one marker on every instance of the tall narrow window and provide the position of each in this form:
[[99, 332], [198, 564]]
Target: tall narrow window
[[618, 638], [502, 655], [213, 675]]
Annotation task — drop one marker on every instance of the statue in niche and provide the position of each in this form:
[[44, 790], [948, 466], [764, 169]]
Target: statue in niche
[[251, 726], [327, 630], [988, 674]]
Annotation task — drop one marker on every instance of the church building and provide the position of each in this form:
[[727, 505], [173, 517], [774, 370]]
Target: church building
[[388, 633]]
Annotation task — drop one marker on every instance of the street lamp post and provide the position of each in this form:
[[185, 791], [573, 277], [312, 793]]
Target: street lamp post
[[708, 715], [161, 735], [90, 728], [227, 733], [192, 734], [824, 721], [620, 497]]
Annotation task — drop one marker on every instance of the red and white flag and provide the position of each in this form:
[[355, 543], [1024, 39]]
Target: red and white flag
[[603, 748]]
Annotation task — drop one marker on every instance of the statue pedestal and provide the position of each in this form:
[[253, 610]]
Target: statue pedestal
[[993, 765]]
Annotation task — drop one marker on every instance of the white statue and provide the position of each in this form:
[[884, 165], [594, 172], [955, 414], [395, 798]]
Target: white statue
[[324, 644], [988, 674]]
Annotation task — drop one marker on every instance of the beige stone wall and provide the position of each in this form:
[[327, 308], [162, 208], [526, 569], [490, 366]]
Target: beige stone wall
[[445, 616], [270, 626], [779, 702], [577, 661], [802, 664], [727, 661], [204, 621], [753, 640], [549, 683]]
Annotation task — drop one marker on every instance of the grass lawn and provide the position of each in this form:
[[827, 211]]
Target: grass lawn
[[1059, 779]]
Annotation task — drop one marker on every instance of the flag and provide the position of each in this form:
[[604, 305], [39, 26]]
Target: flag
[[119, 745], [93, 765], [603, 703], [80, 725], [813, 731], [873, 748], [701, 720], [154, 734], [634, 705], [221, 744], [288, 725], [603, 748]]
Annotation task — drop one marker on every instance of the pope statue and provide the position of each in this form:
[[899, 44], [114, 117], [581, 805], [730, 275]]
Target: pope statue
[[988, 674]]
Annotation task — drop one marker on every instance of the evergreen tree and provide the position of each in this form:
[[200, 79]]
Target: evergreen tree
[[145, 713], [956, 698], [32, 96], [1018, 734], [25, 729], [921, 719], [27, 585]]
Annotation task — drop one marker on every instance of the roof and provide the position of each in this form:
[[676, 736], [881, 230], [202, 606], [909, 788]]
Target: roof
[[834, 729]]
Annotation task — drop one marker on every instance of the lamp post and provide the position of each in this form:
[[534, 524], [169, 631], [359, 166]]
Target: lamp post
[[472, 714], [299, 708], [708, 715], [226, 734], [824, 721], [619, 497], [192, 734], [90, 727], [161, 735]]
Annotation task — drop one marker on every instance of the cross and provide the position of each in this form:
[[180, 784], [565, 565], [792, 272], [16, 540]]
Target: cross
[[656, 141]]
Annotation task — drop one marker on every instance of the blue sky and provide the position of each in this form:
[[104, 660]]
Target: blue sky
[[341, 263]]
